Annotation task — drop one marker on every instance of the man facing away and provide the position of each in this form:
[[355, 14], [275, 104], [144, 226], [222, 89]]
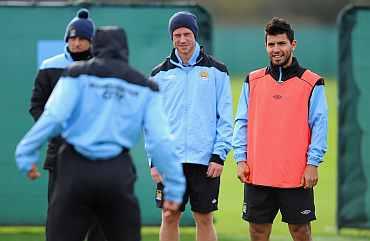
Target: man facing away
[[280, 138], [99, 107], [197, 100], [78, 36]]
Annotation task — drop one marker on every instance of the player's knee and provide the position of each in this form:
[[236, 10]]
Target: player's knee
[[173, 219], [301, 230], [203, 219], [259, 230]]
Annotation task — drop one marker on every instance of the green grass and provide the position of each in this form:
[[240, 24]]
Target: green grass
[[229, 225]]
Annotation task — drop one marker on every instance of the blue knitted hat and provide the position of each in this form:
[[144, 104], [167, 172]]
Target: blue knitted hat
[[80, 26], [183, 19]]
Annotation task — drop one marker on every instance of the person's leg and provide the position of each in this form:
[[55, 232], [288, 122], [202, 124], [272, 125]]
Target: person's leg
[[51, 183], [68, 211], [260, 231], [95, 232], [120, 220], [298, 210], [170, 227], [203, 195], [300, 232], [205, 230], [67, 221], [259, 209], [51, 187], [116, 206]]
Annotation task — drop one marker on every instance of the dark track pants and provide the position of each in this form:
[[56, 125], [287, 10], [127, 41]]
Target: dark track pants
[[86, 189], [96, 232]]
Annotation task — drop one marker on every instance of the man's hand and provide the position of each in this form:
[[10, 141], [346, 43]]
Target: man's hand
[[243, 171], [310, 177], [214, 169], [170, 208], [33, 174], [157, 178]]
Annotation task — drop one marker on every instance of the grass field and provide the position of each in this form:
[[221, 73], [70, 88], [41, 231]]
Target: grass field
[[229, 225]]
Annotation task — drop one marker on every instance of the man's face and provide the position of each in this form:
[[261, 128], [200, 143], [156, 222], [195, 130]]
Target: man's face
[[183, 40], [77, 44], [280, 49]]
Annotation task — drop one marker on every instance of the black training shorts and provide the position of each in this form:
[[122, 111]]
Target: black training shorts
[[202, 191], [261, 204]]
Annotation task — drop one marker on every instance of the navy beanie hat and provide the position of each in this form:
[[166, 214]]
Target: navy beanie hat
[[183, 19], [80, 26]]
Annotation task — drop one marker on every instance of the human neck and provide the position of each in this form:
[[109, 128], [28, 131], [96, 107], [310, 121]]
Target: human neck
[[185, 57], [288, 63]]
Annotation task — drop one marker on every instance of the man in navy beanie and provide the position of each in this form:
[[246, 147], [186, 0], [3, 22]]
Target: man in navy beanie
[[197, 98], [183, 19], [80, 26], [78, 36]]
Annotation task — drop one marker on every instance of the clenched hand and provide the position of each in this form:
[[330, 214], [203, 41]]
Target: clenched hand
[[310, 177]]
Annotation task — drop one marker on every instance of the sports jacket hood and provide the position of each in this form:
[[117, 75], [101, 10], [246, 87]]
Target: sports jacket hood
[[110, 42]]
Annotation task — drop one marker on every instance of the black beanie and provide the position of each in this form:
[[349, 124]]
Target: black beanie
[[80, 26], [183, 19]]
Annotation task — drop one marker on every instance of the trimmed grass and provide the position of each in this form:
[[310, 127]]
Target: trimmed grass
[[229, 225]]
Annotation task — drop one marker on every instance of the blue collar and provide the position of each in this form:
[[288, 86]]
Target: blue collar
[[67, 54], [193, 59]]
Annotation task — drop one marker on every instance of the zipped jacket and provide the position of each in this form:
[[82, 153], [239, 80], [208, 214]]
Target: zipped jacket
[[197, 100]]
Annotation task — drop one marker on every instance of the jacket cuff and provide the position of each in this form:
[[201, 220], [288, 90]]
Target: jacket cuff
[[314, 161], [238, 157], [216, 159]]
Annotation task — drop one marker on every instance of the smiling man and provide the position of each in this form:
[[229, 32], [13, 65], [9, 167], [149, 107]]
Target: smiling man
[[280, 138], [197, 100]]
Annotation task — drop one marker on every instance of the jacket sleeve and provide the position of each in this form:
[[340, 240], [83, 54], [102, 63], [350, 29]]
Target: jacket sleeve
[[28, 150], [146, 145], [40, 94], [318, 121], [160, 147], [50, 124], [224, 129], [241, 124]]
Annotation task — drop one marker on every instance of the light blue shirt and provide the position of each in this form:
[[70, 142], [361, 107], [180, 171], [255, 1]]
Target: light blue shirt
[[317, 119], [100, 117]]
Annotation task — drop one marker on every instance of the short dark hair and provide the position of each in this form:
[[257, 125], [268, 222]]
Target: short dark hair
[[279, 26]]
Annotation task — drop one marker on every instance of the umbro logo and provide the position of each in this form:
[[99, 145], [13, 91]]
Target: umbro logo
[[306, 212], [277, 97]]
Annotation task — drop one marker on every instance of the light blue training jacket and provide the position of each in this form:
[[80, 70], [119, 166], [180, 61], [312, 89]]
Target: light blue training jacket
[[198, 103]]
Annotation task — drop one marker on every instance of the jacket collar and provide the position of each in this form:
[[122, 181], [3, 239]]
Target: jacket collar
[[67, 55], [195, 58], [281, 74]]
